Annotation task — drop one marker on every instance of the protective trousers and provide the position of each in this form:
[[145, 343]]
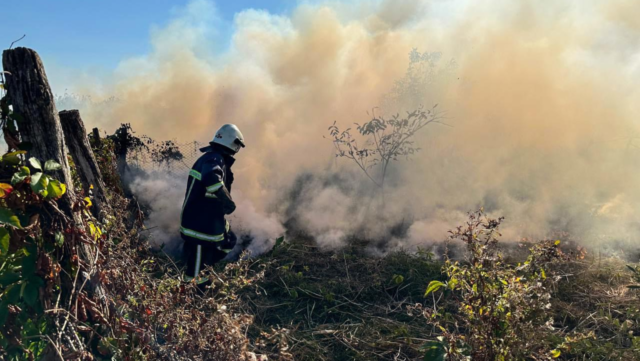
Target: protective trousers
[[200, 255]]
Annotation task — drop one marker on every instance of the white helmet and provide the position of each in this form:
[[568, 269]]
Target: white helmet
[[229, 136]]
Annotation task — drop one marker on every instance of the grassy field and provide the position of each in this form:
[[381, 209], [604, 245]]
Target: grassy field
[[345, 305]]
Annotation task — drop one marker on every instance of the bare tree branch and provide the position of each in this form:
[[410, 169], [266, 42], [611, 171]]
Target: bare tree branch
[[384, 140]]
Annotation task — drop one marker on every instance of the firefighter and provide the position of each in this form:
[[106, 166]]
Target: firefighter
[[206, 234]]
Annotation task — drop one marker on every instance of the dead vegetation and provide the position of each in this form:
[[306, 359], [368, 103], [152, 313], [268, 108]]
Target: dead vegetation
[[164, 318], [315, 305], [593, 298], [344, 305]]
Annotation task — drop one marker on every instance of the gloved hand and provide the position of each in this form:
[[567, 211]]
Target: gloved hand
[[227, 203], [229, 242]]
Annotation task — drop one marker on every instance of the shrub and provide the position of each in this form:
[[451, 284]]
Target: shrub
[[494, 310]]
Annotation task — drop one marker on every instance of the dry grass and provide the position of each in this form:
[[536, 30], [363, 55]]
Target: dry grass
[[593, 299], [344, 305], [315, 305]]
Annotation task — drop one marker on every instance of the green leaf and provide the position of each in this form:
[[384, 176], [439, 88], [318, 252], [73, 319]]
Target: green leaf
[[30, 293], [13, 294], [29, 264], [29, 329], [5, 241], [13, 157], [555, 353], [35, 163], [106, 346], [7, 217], [52, 165], [9, 278], [56, 189], [36, 178], [59, 239], [433, 286], [634, 287], [4, 311], [39, 183], [293, 293], [398, 279], [20, 175], [434, 351]]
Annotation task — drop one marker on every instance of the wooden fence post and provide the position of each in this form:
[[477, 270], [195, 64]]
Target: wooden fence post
[[96, 136], [78, 144], [31, 97]]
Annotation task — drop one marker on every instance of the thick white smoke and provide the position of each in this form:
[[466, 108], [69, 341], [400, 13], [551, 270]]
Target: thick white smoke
[[542, 98], [164, 194], [260, 227]]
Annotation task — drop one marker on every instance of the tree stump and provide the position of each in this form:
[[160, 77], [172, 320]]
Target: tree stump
[[78, 144], [31, 97]]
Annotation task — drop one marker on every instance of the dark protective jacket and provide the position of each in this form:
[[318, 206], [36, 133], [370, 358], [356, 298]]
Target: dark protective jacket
[[207, 199]]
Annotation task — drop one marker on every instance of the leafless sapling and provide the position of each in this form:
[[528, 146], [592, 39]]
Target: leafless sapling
[[383, 141]]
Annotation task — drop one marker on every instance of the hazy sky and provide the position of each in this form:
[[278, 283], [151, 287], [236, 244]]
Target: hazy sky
[[98, 34]]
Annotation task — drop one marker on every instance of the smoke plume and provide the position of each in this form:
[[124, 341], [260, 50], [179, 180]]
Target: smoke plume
[[541, 99], [163, 195]]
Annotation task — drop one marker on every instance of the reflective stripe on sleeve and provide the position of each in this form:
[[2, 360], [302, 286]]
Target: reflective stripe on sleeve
[[215, 187], [210, 195], [201, 236], [195, 174]]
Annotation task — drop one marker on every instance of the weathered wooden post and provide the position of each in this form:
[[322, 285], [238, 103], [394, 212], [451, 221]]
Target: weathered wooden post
[[31, 96], [78, 144], [96, 136]]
